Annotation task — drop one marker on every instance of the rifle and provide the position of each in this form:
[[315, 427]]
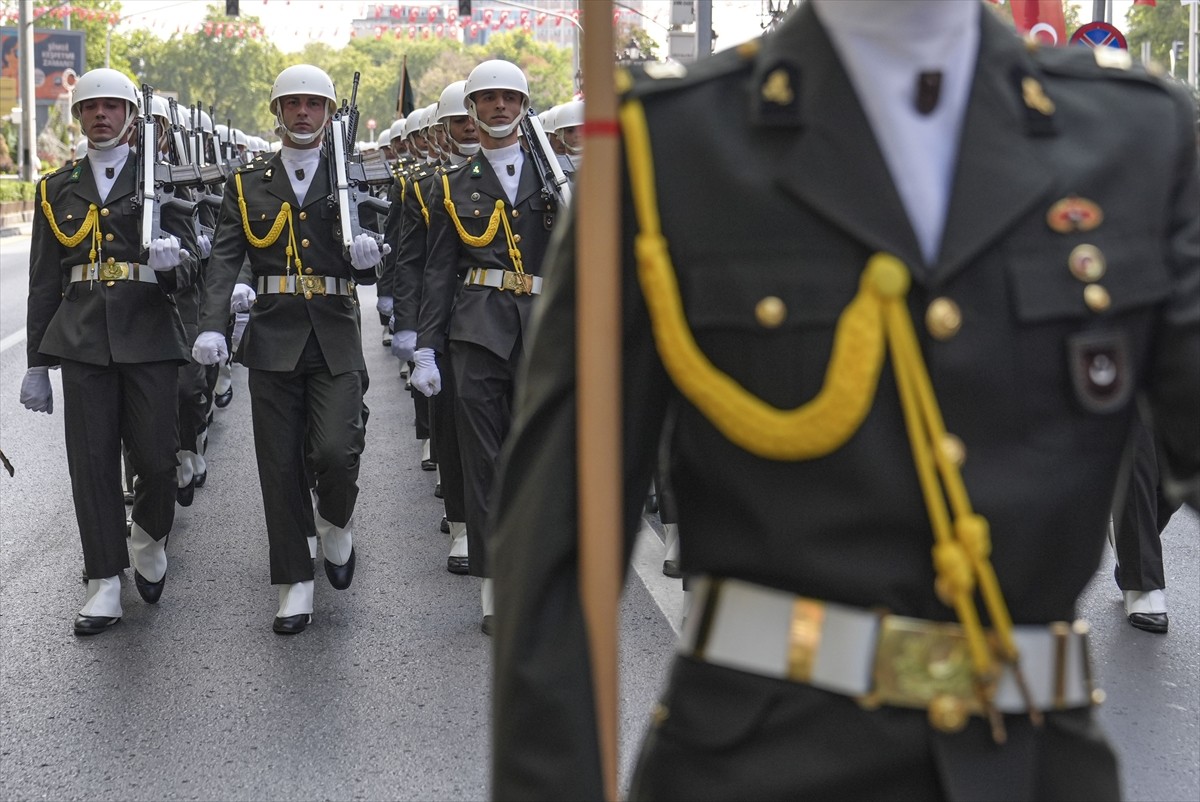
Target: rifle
[[350, 180], [554, 182]]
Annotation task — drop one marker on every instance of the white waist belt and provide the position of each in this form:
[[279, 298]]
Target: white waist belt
[[307, 286], [518, 283], [878, 658], [114, 271]]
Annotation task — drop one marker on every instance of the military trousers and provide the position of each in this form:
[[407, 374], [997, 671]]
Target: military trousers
[[193, 405], [444, 439], [728, 734], [482, 417], [309, 431], [1140, 519], [105, 407]]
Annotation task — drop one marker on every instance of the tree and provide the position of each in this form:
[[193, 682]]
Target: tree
[[94, 17], [547, 66], [1160, 25]]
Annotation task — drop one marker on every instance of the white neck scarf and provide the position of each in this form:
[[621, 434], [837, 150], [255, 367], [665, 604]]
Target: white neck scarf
[[104, 160], [500, 159], [302, 165]]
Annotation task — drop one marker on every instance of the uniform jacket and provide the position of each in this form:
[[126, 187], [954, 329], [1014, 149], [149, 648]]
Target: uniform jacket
[[89, 321], [280, 324], [414, 241], [789, 200], [485, 316]]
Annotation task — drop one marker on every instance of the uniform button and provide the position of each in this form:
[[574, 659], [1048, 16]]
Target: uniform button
[[474, 196], [108, 237], [104, 212], [659, 714], [1086, 263], [112, 260], [70, 217], [517, 238], [947, 713], [304, 243], [308, 271], [954, 450], [943, 318], [303, 215], [110, 284], [770, 312], [1096, 298], [263, 216], [476, 213], [516, 212]]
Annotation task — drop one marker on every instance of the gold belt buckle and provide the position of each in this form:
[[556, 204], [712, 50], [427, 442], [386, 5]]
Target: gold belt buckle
[[312, 284], [114, 271], [925, 664], [517, 283]]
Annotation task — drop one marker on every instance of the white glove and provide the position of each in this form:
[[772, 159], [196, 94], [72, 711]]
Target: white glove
[[240, 319], [164, 254], [365, 252], [36, 394], [385, 304], [205, 245], [242, 298], [404, 346], [426, 377], [210, 348]]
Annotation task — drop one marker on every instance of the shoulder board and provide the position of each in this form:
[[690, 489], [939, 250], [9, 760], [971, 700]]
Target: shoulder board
[[1099, 63], [258, 164], [656, 77], [65, 169], [450, 168]]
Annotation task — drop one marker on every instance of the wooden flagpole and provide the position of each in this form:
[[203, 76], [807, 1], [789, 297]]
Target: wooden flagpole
[[598, 315]]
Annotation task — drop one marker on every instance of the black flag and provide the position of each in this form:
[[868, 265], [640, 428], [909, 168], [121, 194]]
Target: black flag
[[405, 104]]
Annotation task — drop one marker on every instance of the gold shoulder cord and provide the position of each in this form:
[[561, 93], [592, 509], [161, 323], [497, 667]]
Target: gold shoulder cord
[[485, 239], [284, 216], [421, 203], [878, 314], [91, 225]]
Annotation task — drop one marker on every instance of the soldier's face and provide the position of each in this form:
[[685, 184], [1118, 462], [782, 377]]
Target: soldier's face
[[498, 107], [463, 130], [572, 137], [302, 114], [102, 118]]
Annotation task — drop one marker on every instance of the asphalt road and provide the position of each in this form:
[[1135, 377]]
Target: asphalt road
[[386, 695]]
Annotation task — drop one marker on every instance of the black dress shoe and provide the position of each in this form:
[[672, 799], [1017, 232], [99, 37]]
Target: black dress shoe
[[444, 526], [486, 626], [429, 465], [129, 498], [1150, 622], [652, 503], [185, 494], [150, 591], [223, 400], [93, 624], [457, 565], [340, 576], [671, 569], [437, 490], [291, 624], [201, 478]]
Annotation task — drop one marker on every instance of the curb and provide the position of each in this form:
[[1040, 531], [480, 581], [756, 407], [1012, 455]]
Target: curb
[[18, 230]]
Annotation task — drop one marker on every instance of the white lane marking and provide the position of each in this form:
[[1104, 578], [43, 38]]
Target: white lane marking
[[647, 561], [16, 338]]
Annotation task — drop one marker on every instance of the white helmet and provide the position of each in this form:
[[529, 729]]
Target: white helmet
[[159, 107], [547, 119], [497, 74], [412, 123], [303, 79], [240, 138], [206, 123], [104, 82], [453, 103], [569, 114], [429, 116], [397, 130], [428, 120]]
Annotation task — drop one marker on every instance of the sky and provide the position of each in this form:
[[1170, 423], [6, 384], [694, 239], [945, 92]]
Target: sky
[[293, 23]]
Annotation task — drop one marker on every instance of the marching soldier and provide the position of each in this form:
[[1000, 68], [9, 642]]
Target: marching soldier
[[488, 230], [903, 305], [103, 310], [302, 345]]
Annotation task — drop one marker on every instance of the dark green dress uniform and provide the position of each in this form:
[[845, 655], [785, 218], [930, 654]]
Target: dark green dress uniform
[[120, 341], [302, 346], [482, 327], [1035, 357], [412, 253]]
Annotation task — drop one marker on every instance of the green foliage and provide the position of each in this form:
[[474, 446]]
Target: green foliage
[[15, 191], [1160, 25], [89, 16], [547, 67]]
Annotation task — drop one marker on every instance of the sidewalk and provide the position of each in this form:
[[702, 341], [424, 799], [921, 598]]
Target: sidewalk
[[16, 229]]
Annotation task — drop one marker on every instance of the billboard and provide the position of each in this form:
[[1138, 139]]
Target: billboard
[[58, 55]]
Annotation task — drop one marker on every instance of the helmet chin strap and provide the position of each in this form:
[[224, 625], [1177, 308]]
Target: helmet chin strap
[[303, 139], [498, 132], [469, 149], [109, 144]]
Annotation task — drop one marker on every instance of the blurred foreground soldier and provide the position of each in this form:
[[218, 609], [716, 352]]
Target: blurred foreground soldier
[[103, 310], [1010, 266], [302, 345]]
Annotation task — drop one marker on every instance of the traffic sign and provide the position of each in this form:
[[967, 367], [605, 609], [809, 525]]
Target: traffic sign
[[1099, 34]]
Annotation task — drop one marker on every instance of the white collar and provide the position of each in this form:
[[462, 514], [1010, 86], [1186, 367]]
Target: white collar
[[108, 158]]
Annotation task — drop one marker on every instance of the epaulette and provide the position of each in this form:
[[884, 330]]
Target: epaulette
[[657, 77], [450, 168], [65, 169], [258, 163], [1099, 63]]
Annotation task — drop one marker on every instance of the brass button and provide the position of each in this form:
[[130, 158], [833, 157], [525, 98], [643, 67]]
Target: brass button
[[70, 217], [947, 713], [517, 238], [770, 312], [263, 216], [474, 196], [516, 212], [112, 260], [953, 449], [110, 283], [104, 212], [308, 271], [1098, 696], [1096, 298], [476, 212], [943, 318], [1086, 263], [659, 714], [304, 242], [303, 215], [108, 237], [308, 295]]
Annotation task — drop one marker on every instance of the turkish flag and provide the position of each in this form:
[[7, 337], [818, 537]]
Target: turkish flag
[[1145, 2], [1041, 20]]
